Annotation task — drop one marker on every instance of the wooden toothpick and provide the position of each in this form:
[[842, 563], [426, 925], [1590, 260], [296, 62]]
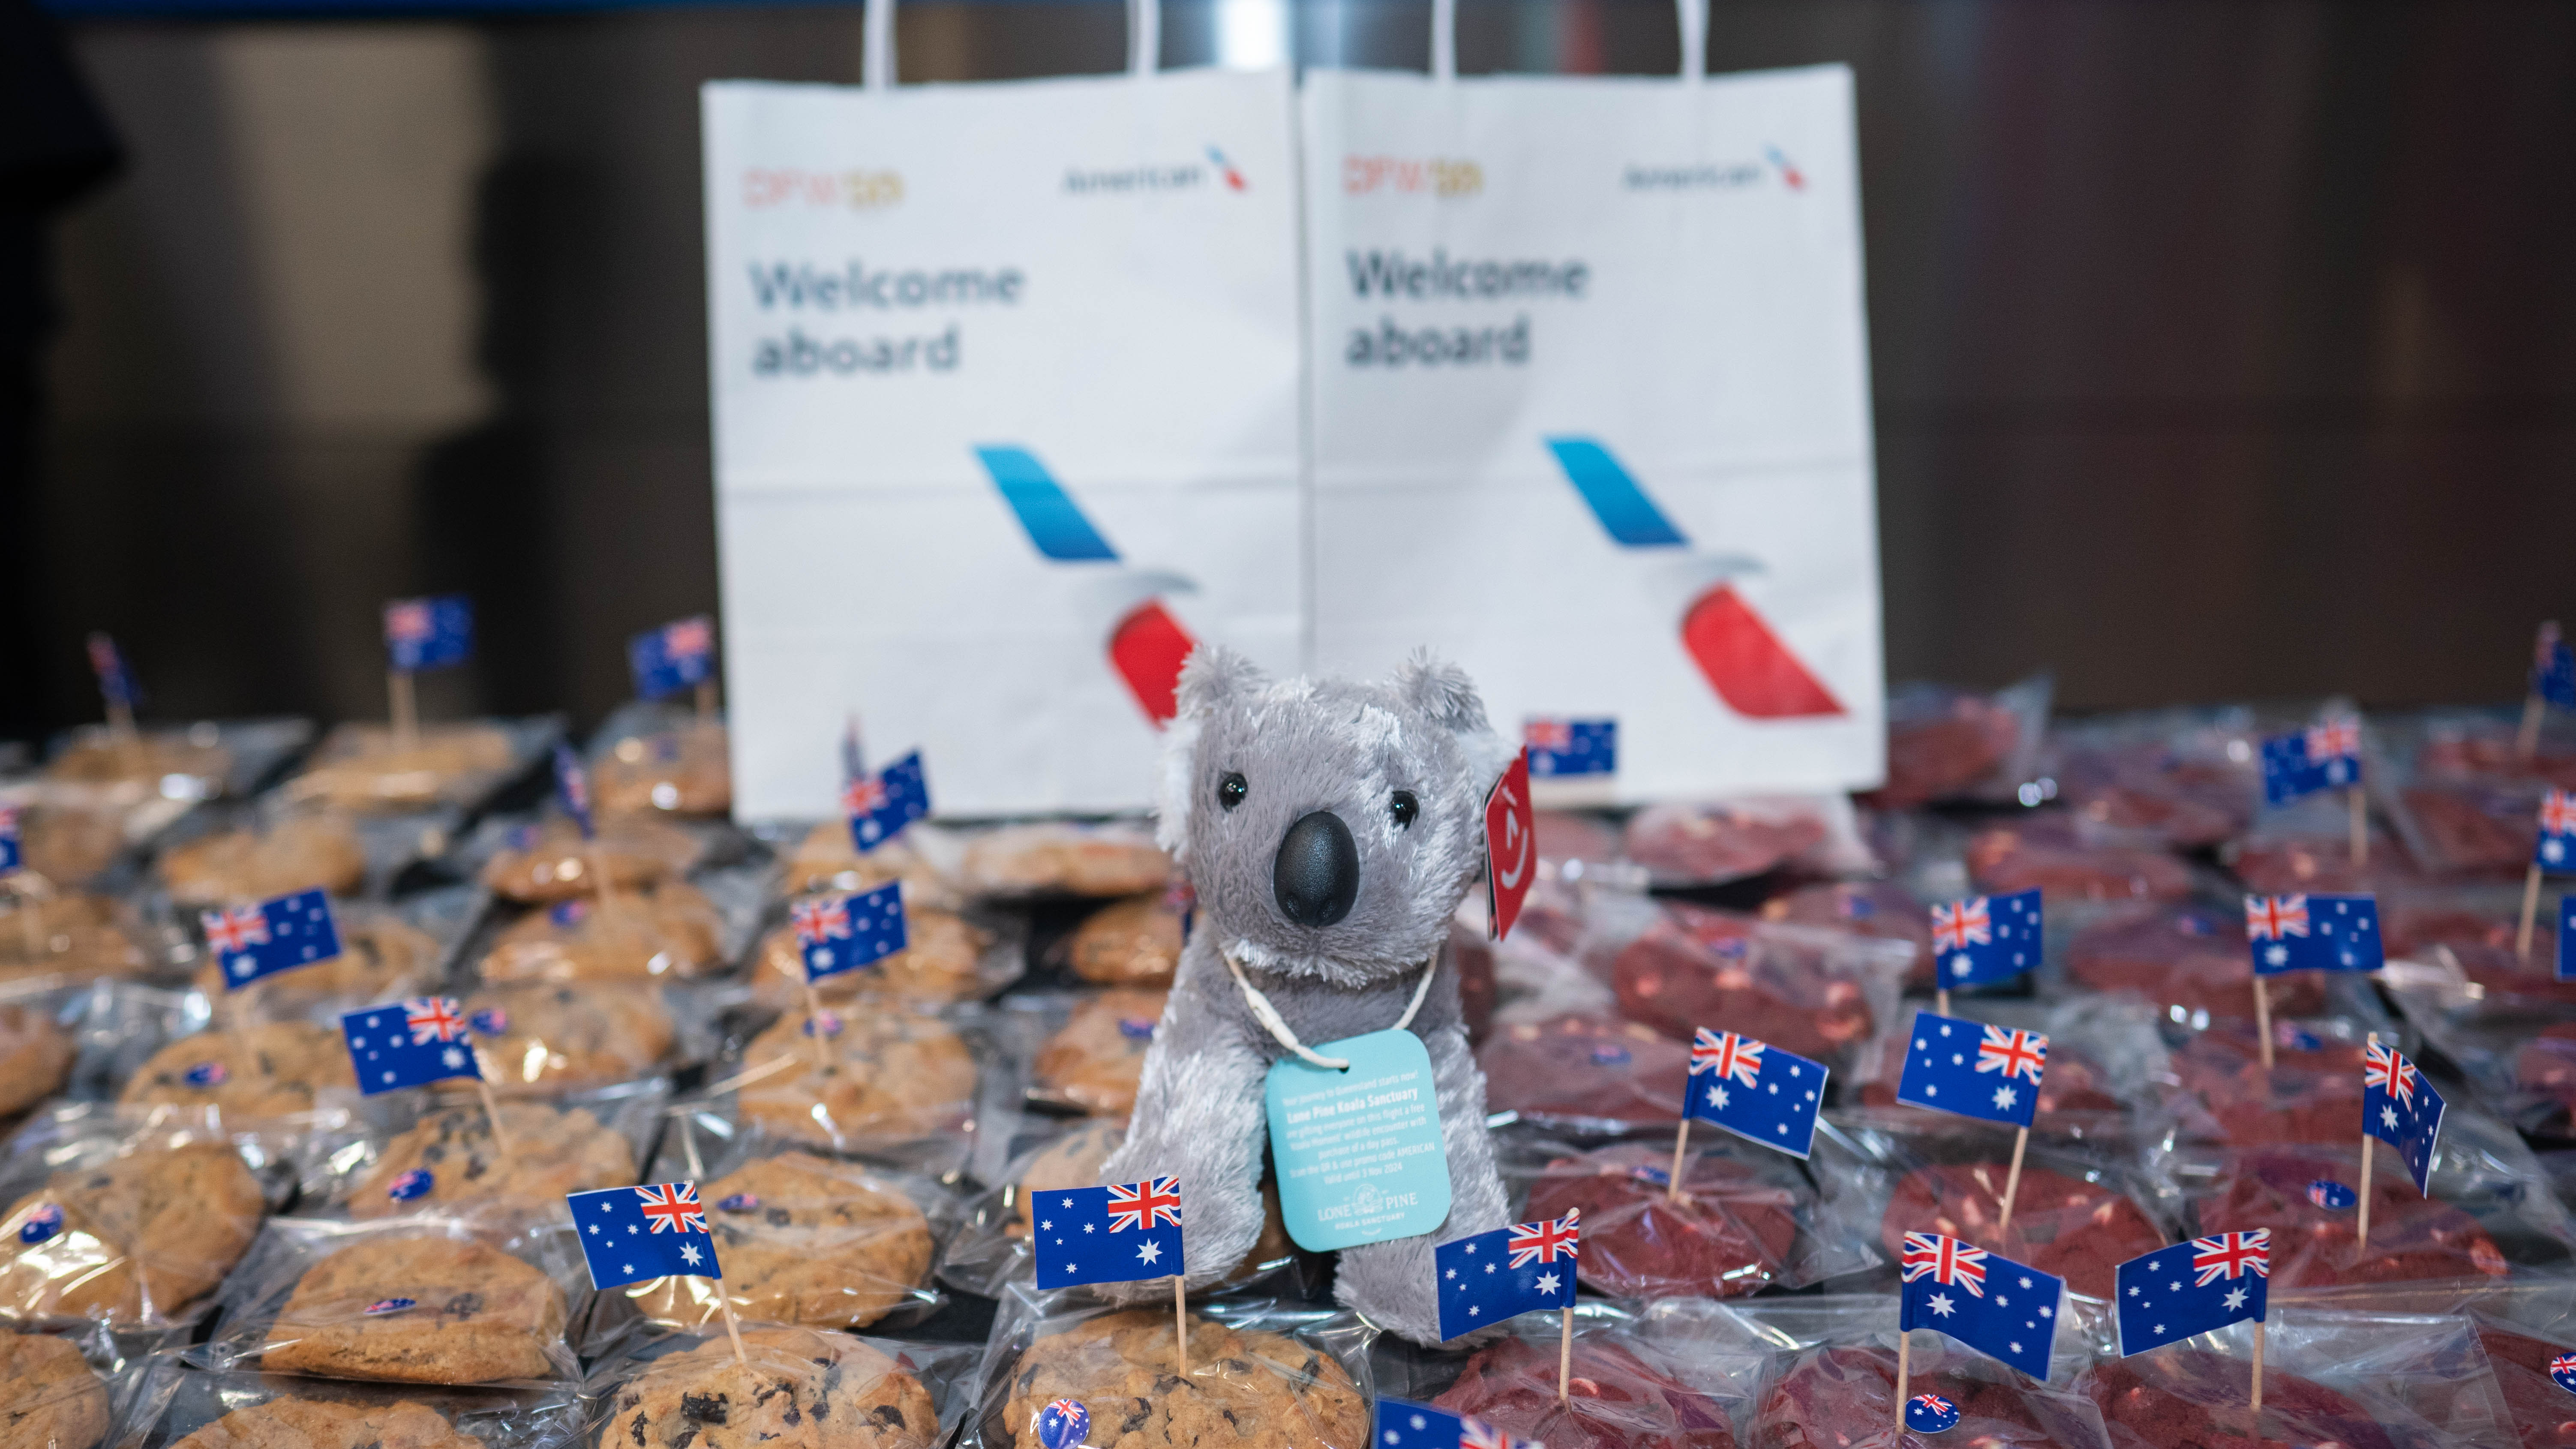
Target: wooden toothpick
[[2012, 1181], [1904, 1362], [2258, 1366], [2360, 826], [1565, 1355], [733, 1325], [2362, 1245], [406, 718], [2263, 1020], [1681, 1139], [2530, 909], [1181, 1322]]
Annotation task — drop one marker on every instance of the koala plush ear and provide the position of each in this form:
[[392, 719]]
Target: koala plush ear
[[1443, 691], [1214, 677]]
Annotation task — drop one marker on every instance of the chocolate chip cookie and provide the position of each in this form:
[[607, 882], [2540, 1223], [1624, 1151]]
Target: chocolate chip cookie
[[683, 771], [363, 767], [35, 1056], [551, 862], [887, 1074], [449, 1160], [73, 937], [136, 1238], [803, 1390], [1245, 1390], [828, 860], [101, 757], [420, 1309], [647, 935], [1096, 1059], [268, 1070], [1134, 942], [1072, 1160], [48, 1396], [295, 853], [937, 965], [292, 1423], [540, 1039], [1035, 860], [802, 1241]]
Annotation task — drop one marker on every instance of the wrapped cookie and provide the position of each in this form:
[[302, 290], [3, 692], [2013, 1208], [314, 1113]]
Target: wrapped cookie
[[386, 952], [51, 1394], [542, 1039], [278, 1069], [1585, 1073], [542, 863], [2183, 956], [649, 760], [2105, 1059], [1058, 1377], [1093, 1060], [947, 957], [1714, 842], [257, 860], [804, 1239], [791, 1388], [1131, 942], [670, 931], [366, 767], [37, 1046], [50, 937], [1061, 859], [1746, 1218], [877, 1077], [419, 1300], [127, 1225], [437, 1154], [823, 857], [1634, 1381], [189, 1408], [1677, 967], [1947, 743], [2046, 851]]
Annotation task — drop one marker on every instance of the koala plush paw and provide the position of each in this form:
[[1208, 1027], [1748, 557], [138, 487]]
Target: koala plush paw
[[1393, 1286]]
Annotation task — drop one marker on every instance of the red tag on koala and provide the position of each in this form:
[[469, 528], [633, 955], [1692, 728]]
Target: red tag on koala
[[1511, 851]]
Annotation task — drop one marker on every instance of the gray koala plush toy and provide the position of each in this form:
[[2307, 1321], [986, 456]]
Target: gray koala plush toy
[[1329, 828]]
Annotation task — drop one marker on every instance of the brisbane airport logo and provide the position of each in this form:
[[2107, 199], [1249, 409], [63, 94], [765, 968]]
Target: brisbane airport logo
[[854, 189], [1716, 175], [1215, 170]]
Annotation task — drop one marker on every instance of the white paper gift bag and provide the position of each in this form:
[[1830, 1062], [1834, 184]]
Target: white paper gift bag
[[1591, 411], [1006, 397]]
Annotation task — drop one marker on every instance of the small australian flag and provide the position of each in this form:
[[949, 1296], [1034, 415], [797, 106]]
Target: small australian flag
[[1755, 1090], [632, 1234], [2002, 1309], [1403, 1424], [2553, 667], [429, 633], [1488, 1277], [2321, 757], [1975, 1070], [115, 681], [2555, 851], [882, 804], [409, 1044], [1115, 1234], [2567, 938], [1572, 746], [1991, 938], [843, 933], [13, 853], [2401, 1109], [672, 658], [250, 942], [572, 790], [2193, 1288], [2313, 933]]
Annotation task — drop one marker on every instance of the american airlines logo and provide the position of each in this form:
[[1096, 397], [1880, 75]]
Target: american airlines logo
[[1411, 176]]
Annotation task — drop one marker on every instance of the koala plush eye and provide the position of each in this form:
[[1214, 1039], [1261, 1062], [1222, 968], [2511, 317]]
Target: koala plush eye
[[1230, 790], [1404, 807]]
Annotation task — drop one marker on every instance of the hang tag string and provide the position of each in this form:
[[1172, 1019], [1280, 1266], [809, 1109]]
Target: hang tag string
[[1271, 1021]]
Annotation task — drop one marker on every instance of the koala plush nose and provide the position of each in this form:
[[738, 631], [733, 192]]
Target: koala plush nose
[[1317, 875]]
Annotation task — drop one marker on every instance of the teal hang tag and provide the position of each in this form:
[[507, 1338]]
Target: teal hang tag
[[1358, 1151]]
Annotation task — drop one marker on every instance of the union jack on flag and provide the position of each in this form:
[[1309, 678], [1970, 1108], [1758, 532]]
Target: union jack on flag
[[1136, 1206], [231, 932], [2389, 1072], [1726, 1054], [820, 921], [1546, 1240], [433, 1018], [2015, 1054], [2336, 739], [12, 855], [1548, 734], [1475, 1433], [630, 1234], [2231, 1255], [2555, 850], [671, 658], [1958, 926], [2269, 918], [2000, 1308]]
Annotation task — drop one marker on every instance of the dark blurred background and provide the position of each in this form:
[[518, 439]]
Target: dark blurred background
[[2220, 349]]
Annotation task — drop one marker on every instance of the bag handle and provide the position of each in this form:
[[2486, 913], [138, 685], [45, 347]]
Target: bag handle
[[876, 46], [1693, 15], [1694, 19]]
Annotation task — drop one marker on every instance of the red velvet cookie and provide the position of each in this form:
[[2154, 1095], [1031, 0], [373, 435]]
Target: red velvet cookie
[[2183, 956], [2311, 1093], [1615, 1400], [1835, 1398], [1585, 1066], [2190, 1398], [1698, 967], [1880, 911], [2046, 854], [1728, 1236], [2412, 1237], [2544, 1412], [2079, 1231], [1935, 756], [1719, 842]]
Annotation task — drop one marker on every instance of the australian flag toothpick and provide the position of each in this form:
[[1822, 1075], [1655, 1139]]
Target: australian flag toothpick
[[572, 791], [1975, 1070], [1572, 746], [13, 851], [429, 633], [2555, 852], [1486, 1278], [2313, 933], [409, 1044], [115, 681], [882, 804], [2401, 1109], [250, 942], [2553, 667], [672, 658], [1115, 1234], [1991, 938], [2324, 756], [2193, 1288], [2000, 1308], [843, 933], [1755, 1090], [633, 1234]]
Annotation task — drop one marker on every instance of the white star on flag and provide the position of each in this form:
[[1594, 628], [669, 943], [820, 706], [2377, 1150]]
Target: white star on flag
[[1941, 1304], [689, 1254], [1148, 1252], [1546, 1283], [2004, 1096]]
